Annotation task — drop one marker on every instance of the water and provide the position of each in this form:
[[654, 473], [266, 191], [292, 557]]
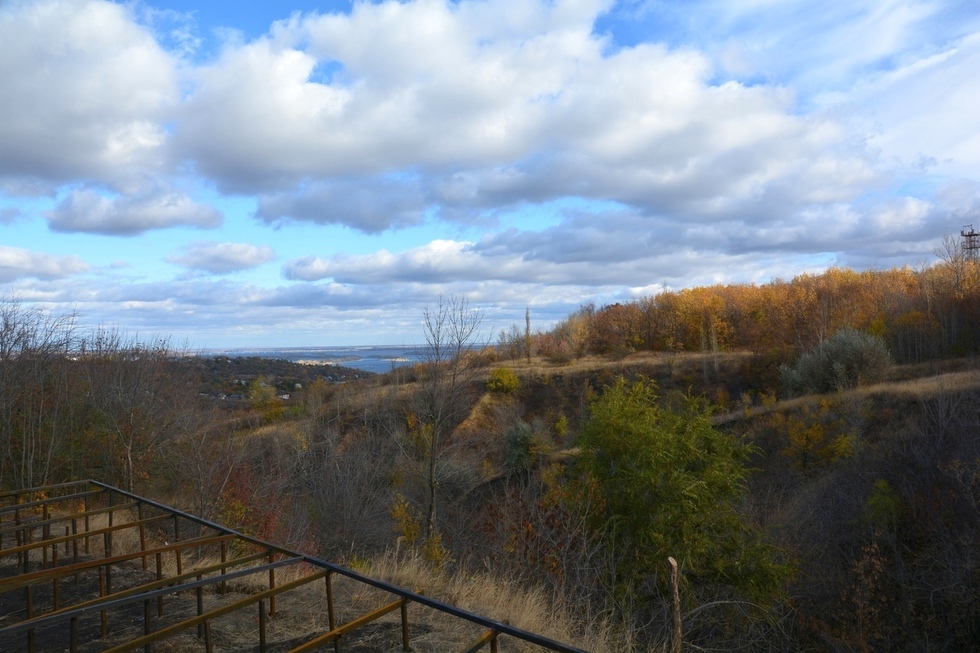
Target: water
[[370, 358]]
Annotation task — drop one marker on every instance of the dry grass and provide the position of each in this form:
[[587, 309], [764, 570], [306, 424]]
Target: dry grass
[[919, 388], [925, 387], [652, 360], [301, 614], [527, 608]]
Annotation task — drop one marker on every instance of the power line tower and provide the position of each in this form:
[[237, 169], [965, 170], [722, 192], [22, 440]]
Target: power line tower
[[971, 242]]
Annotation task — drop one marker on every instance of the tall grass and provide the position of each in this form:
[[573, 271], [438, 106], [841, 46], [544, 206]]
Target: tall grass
[[528, 608]]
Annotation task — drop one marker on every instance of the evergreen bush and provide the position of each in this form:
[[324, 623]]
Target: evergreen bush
[[520, 457], [847, 359]]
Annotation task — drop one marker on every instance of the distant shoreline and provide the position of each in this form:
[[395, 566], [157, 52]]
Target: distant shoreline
[[369, 358]]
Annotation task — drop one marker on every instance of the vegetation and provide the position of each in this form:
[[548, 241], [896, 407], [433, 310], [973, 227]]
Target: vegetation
[[847, 359], [567, 465], [669, 484], [920, 314], [503, 380]]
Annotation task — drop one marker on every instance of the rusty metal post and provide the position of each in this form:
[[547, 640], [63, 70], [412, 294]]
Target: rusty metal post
[[675, 646], [146, 625], [180, 565], [112, 514], [45, 535], [139, 517], [404, 611], [74, 544], [200, 609], [73, 637], [85, 508], [74, 547], [330, 614], [102, 613], [56, 581], [107, 542], [27, 590], [208, 639], [159, 560], [29, 595], [224, 558], [261, 626], [272, 585], [29, 599]]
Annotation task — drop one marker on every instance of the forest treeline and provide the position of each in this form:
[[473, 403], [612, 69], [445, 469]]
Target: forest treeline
[[922, 314], [569, 464]]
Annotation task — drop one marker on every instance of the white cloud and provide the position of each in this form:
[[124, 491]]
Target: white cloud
[[584, 258], [488, 111], [438, 261], [84, 91], [369, 205], [222, 258], [929, 109], [17, 263], [817, 48], [90, 212], [743, 140]]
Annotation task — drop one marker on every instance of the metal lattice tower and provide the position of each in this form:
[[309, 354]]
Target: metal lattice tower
[[971, 242]]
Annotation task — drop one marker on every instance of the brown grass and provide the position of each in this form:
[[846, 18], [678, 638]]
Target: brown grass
[[920, 388], [526, 608]]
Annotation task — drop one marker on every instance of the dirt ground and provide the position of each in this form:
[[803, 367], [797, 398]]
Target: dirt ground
[[300, 615]]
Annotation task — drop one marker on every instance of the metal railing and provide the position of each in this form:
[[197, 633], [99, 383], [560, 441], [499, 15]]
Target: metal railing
[[31, 525]]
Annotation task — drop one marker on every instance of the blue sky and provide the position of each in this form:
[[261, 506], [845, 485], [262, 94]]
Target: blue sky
[[317, 173]]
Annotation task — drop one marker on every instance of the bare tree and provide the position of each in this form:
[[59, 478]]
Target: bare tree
[[449, 368], [139, 398], [347, 457], [516, 342], [37, 410], [200, 458], [953, 294]]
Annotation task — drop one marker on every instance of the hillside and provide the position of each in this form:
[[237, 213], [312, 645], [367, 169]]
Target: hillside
[[807, 450], [863, 492]]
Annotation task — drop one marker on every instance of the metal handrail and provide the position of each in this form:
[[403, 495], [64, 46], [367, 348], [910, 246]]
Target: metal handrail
[[498, 628]]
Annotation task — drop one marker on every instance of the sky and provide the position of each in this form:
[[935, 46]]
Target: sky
[[304, 173]]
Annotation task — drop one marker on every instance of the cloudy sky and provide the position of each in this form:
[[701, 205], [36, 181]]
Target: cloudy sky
[[316, 173]]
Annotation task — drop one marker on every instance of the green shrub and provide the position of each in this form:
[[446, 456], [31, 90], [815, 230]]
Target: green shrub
[[847, 359], [670, 484], [503, 380], [520, 456]]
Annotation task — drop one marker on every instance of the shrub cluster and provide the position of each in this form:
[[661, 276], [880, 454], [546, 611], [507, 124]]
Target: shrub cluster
[[503, 380], [847, 359]]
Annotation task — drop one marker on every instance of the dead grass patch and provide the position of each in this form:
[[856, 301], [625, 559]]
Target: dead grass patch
[[528, 608], [920, 388]]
